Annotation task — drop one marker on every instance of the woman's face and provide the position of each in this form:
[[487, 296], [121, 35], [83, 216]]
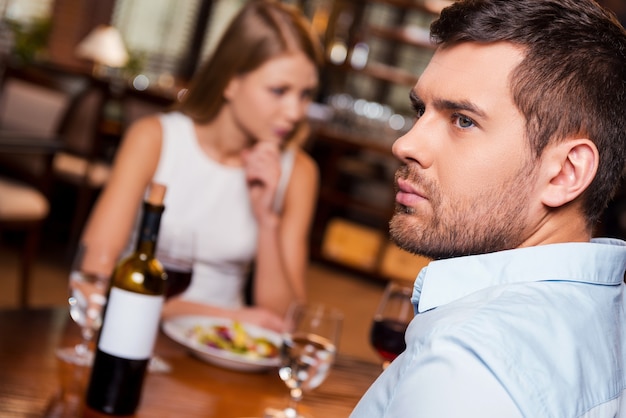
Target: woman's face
[[268, 103]]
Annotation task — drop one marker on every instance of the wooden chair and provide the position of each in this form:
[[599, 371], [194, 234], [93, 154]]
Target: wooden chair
[[92, 138], [83, 163], [34, 105]]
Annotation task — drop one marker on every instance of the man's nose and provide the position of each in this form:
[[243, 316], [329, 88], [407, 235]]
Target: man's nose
[[412, 147]]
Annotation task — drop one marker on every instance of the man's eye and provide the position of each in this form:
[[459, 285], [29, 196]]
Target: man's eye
[[463, 121], [279, 91], [419, 109]]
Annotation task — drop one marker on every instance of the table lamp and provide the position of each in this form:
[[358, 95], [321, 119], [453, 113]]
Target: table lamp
[[105, 47]]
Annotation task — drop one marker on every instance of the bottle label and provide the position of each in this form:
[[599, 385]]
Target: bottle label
[[131, 324]]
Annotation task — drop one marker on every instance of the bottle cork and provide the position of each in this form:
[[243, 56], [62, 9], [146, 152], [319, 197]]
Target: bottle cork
[[156, 194]]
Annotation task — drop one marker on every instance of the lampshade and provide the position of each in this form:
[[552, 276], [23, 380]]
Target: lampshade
[[104, 46]]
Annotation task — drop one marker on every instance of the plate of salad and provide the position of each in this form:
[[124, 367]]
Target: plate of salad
[[226, 343]]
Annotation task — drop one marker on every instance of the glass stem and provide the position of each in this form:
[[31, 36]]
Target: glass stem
[[68, 402], [295, 396], [82, 348]]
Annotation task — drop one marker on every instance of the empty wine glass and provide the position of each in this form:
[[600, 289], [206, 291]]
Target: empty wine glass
[[68, 401], [89, 278], [307, 352], [391, 320]]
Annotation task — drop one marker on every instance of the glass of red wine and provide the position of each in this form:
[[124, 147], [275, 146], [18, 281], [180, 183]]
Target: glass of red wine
[[176, 252], [391, 319]]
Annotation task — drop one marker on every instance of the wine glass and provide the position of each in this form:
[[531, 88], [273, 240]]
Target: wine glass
[[307, 352], [89, 278], [176, 252], [391, 320]]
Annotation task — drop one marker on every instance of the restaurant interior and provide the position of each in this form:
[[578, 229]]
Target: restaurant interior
[[87, 69], [114, 64], [118, 60]]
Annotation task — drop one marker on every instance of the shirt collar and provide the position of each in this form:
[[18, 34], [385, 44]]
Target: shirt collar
[[601, 261]]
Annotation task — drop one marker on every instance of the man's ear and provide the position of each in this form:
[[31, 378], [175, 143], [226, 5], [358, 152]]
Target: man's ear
[[570, 166]]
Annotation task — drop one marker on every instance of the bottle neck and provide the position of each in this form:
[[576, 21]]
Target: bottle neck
[[149, 229]]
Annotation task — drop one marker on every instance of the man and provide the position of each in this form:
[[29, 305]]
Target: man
[[518, 145]]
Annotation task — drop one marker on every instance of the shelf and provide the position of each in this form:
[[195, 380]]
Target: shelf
[[349, 140], [429, 6], [354, 153], [403, 35], [382, 72], [390, 73]]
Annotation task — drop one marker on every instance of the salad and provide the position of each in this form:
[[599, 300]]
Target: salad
[[235, 339]]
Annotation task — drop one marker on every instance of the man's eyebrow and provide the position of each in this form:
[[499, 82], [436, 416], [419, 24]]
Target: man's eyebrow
[[414, 98], [462, 105], [451, 105]]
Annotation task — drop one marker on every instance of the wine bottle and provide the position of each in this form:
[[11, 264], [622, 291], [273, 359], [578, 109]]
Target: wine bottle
[[131, 320]]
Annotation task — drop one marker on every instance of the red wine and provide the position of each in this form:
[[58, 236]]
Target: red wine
[[387, 337], [177, 282]]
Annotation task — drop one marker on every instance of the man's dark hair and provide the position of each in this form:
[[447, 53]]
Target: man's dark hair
[[571, 81]]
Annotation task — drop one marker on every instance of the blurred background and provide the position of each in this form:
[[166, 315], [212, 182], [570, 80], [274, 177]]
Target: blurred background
[[78, 72]]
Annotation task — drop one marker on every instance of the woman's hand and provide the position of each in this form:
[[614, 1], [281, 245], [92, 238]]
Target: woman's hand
[[261, 317], [262, 167]]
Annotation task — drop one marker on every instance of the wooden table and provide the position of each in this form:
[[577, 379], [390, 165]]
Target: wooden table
[[31, 377]]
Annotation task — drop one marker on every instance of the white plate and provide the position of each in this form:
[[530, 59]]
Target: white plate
[[179, 329]]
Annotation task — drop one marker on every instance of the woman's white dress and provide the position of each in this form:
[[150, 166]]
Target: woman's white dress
[[212, 200]]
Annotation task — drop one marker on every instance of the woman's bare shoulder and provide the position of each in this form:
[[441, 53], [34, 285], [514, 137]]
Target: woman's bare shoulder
[[304, 176], [140, 149], [146, 127], [304, 164]]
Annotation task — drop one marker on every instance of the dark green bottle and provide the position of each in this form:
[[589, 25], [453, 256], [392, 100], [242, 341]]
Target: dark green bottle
[[131, 320]]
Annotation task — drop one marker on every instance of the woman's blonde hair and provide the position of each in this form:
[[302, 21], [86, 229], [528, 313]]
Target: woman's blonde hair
[[263, 29]]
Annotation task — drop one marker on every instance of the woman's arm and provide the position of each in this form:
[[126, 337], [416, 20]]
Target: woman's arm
[[112, 218], [283, 251], [282, 255]]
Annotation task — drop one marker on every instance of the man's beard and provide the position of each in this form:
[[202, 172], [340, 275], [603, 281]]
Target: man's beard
[[492, 220]]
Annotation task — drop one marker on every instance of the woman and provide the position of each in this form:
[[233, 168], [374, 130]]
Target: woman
[[229, 157]]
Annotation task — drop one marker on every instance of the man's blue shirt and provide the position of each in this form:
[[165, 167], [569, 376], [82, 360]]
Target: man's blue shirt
[[535, 332]]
